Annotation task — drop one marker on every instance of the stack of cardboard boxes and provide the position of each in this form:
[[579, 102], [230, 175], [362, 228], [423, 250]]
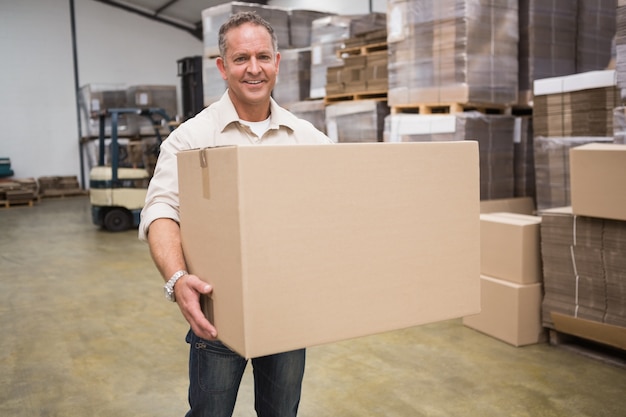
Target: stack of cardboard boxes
[[356, 120], [18, 191], [511, 279], [583, 246], [364, 68], [569, 111], [59, 186], [576, 105], [452, 51]]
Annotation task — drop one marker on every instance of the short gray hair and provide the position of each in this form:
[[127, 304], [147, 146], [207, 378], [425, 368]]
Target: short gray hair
[[239, 19]]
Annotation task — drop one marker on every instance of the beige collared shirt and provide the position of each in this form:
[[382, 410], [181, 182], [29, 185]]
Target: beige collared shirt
[[216, 125]]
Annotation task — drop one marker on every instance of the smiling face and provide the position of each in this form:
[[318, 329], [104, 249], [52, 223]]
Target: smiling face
[[249, 66]]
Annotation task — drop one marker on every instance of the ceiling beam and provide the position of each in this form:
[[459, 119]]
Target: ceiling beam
[[165, 6], [194, 30]]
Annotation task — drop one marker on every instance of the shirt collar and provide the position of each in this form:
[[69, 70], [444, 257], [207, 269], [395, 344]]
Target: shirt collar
[[278, 116]]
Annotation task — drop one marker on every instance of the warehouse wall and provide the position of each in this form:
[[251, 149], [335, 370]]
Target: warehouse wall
[[39, 132], [37, 100]]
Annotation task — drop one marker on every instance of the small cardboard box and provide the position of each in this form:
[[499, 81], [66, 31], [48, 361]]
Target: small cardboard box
[[312, 244], [510, 312], [520, 205], [510, 247], [597, 172]]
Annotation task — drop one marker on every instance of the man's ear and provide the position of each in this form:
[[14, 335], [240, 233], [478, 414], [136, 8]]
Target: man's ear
[[219, 62]]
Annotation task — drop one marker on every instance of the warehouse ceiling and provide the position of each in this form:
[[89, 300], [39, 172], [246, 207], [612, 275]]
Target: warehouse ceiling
[[182, 14]]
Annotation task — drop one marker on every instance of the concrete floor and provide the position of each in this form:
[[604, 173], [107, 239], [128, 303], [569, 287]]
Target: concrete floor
[[86, 332]]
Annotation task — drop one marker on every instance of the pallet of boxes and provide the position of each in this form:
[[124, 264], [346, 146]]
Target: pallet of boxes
[[452, 77], [352, 76], [138, 141], [59, 186], [15, 192], [583, 249]]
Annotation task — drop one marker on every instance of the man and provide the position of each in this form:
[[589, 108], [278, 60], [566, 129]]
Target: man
[[246, 114]]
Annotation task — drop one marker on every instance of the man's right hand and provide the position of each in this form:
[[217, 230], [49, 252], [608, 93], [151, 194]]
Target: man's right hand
[[167, 253], [188, 290]]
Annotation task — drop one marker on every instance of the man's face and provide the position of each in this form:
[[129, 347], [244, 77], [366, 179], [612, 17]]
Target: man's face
[[250, 66]]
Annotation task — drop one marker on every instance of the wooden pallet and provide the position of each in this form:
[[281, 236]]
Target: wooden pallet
[[61, 193], [450, 108], [362, 49], [364, 95], [12, 203], [588, 348]]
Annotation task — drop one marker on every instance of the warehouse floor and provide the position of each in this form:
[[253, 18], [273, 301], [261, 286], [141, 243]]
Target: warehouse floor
[[86, 332]]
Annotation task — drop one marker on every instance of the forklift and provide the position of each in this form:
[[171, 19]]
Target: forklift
[[117, 194]]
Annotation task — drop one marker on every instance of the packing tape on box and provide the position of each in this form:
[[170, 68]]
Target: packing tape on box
[[205, 174]]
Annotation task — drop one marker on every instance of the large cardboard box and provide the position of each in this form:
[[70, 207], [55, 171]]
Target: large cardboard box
[[510, 312], [509, 247], [311, 244], [597, 172]]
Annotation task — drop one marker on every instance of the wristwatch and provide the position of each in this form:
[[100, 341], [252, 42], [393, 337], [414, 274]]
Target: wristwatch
[[169, 285]]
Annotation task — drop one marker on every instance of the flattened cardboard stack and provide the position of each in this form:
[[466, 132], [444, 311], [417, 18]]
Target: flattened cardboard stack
[[356, 121], [569, 111], [596, 30], [294, 78], [576, 105], [583, 249], [620, 44], [552, 175], [494, 134], [313, 111], [300, 24], [583, 267], [313, 244], [615, 270], [547, 44], [524, 158], [452, 51], [619, 125], [511, 288]]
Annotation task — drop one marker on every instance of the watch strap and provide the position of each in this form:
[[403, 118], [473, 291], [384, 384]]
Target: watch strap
[[169, 285]]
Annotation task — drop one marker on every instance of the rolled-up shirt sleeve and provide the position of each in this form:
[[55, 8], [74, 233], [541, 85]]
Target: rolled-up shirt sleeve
[[162, 196]]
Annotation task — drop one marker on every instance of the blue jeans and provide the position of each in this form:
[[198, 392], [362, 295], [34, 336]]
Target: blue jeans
[[215, 374]]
